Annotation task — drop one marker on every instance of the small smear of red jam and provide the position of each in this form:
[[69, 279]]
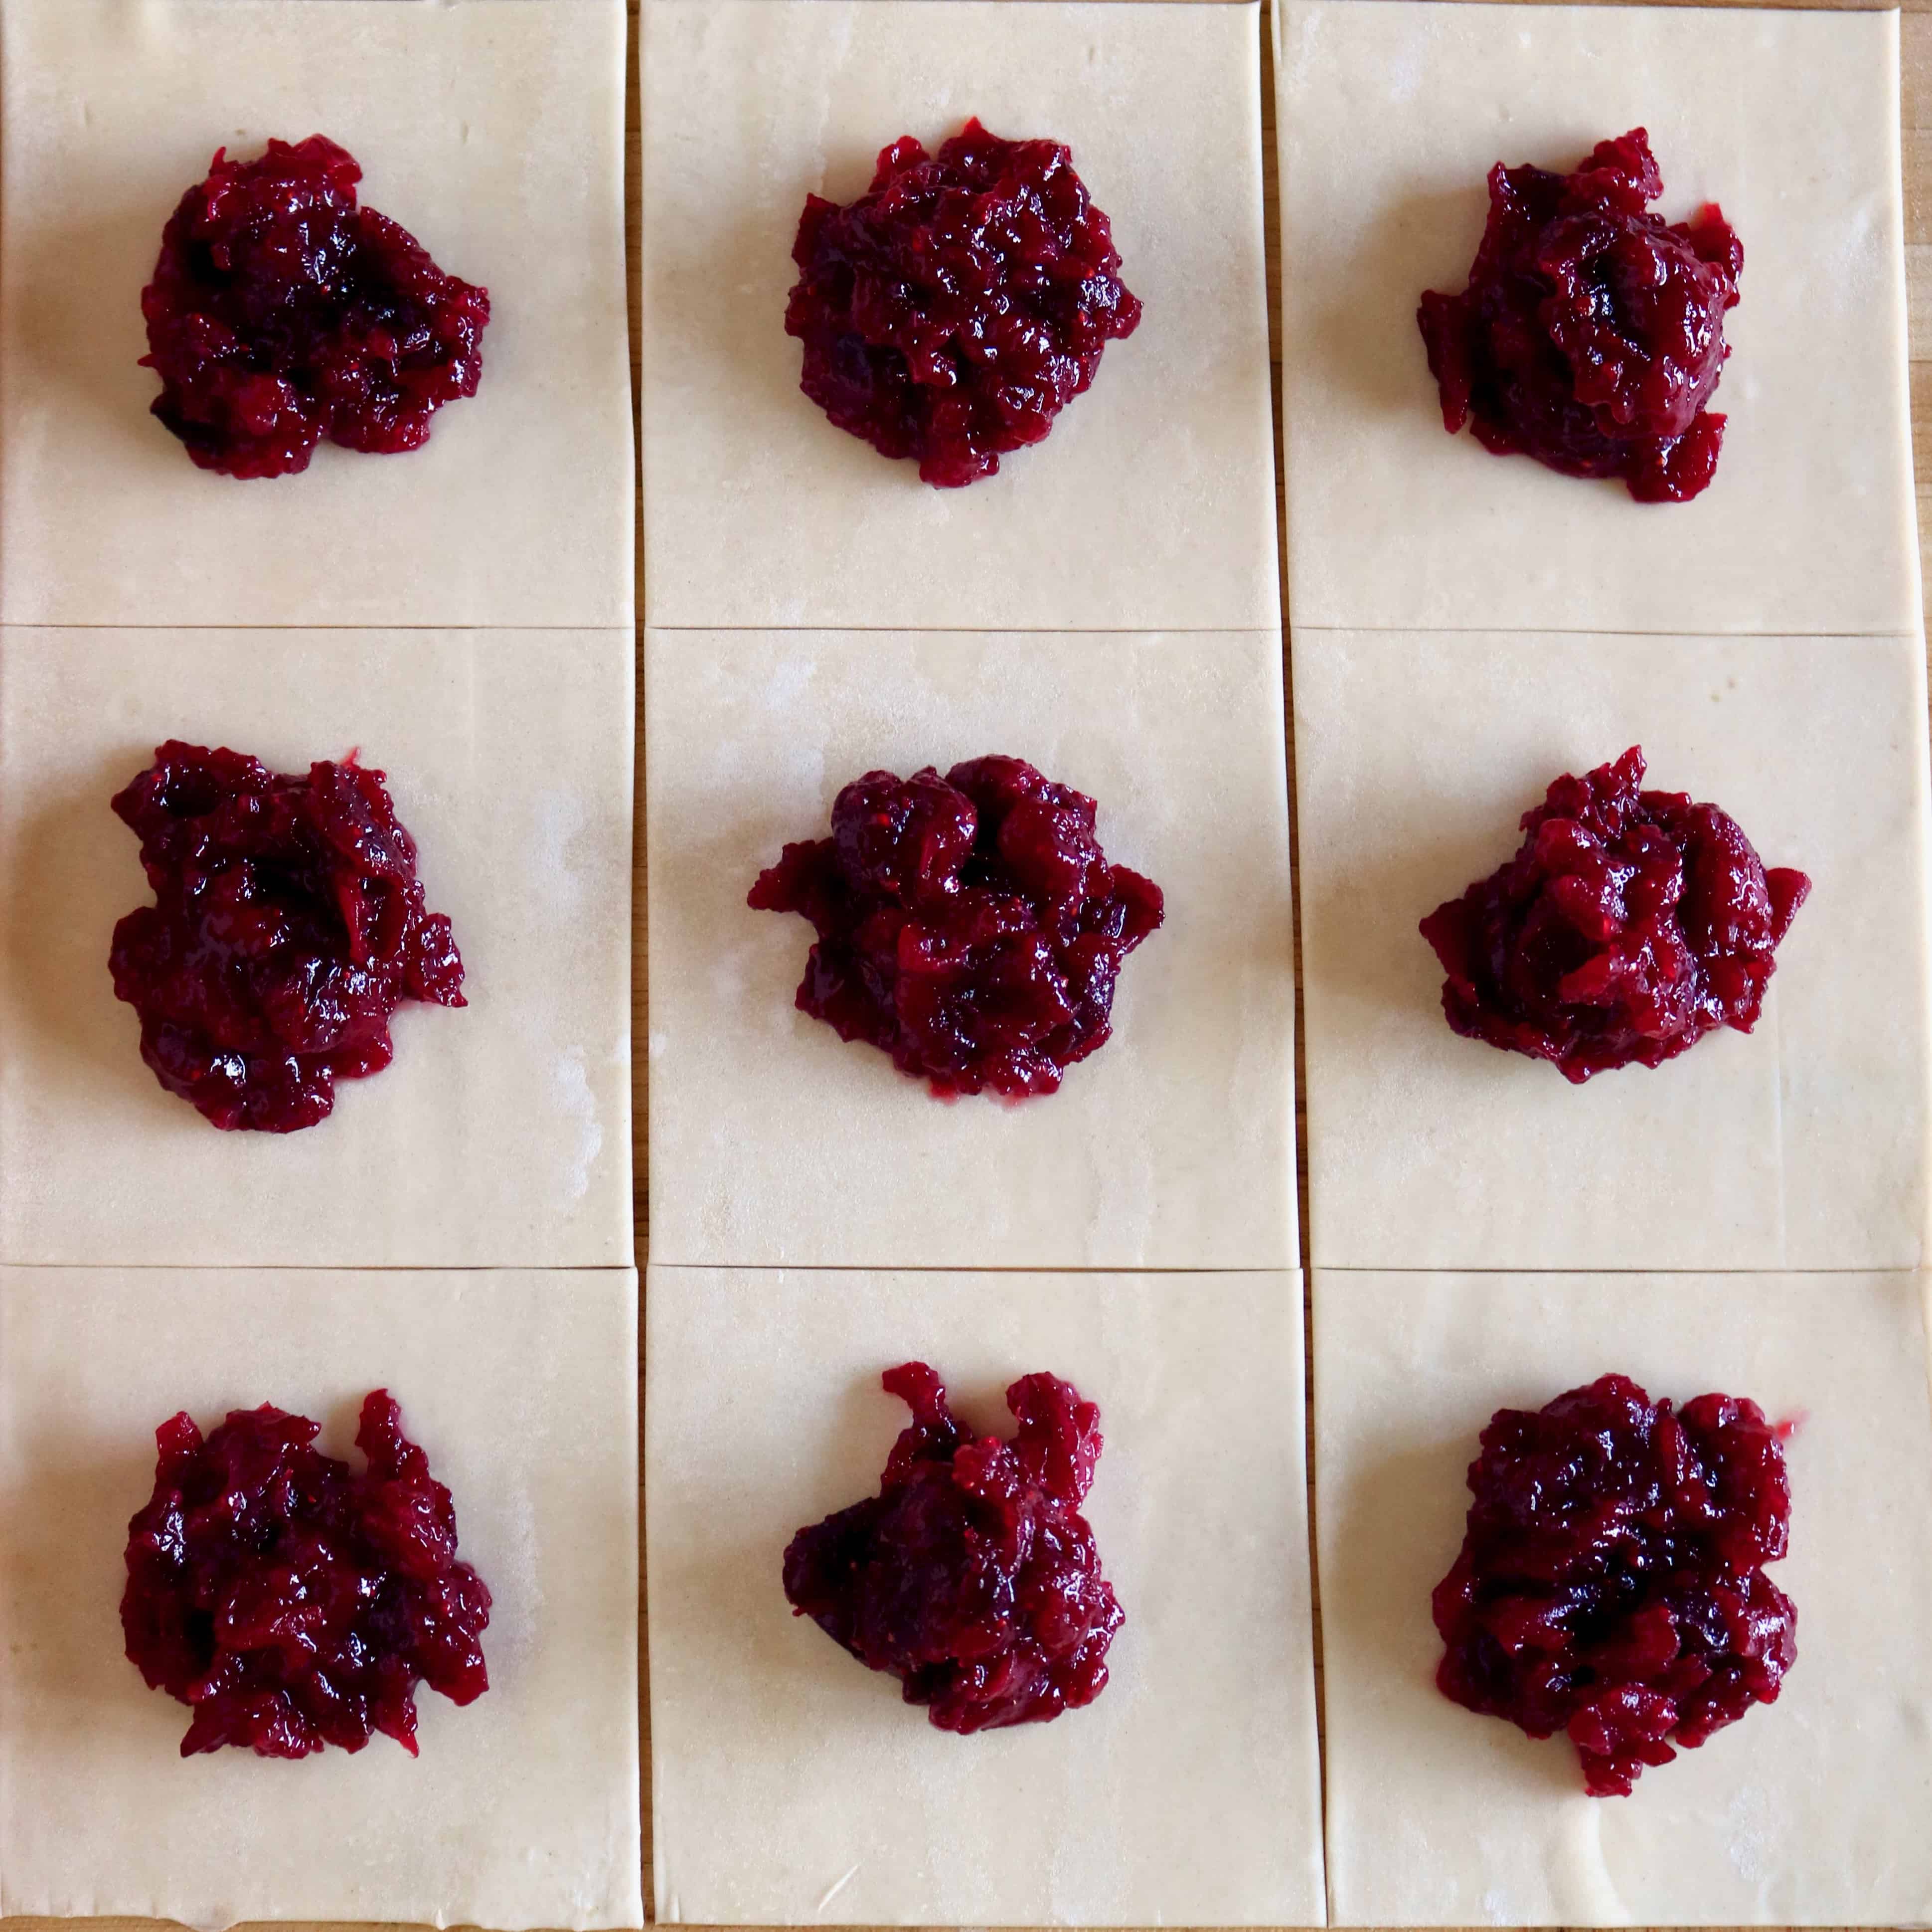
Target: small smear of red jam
[[1590, 336], [972, 1576], [954, 309], [1629, 924], [280, 312], [288, 926], [1611, 1584], [289, 1601], [970, 926]]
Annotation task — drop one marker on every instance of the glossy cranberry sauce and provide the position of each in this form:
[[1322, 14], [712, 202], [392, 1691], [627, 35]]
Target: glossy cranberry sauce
[[288, 925], [1630, 924], [972, 1576], [1611, 1583], [1592, 335], [292, 1602], [281, 313], [970, 926], [956, 307]]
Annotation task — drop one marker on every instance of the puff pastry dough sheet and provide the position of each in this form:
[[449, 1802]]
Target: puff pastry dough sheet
[[522, 1809], [1809, 1810], [1803, 1144], [500, 1135], [791, 1785], [1391, 117], [1151, 504], [492, 131], [772, 1141]]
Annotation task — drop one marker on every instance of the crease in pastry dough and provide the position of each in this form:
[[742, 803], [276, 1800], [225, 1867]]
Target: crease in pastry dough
[[500, 1133], [1807, 1143], [522, 1809], [1808, 1811], [1150, 505], [790, 1784], [492, 131], [1389, 118], [773, 1141]]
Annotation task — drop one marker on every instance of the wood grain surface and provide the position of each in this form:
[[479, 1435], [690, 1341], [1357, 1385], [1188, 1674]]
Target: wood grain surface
[[1916, 116]]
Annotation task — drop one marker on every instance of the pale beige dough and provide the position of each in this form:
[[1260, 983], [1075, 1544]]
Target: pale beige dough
[[792, 1786], [1391, 117], [522, 1809], [1803, 1144], [772, 1141], [500, 1133], [1810, 1809], [1150, 505], [493, 131]]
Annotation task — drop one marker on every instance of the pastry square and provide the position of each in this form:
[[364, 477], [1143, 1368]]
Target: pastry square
[[1803, 1144], [772, 1141], [1391, 117], [492, 131], [522, 1809], [500, 1134], [791, 1785], [1151, 505], [1808, 1810]]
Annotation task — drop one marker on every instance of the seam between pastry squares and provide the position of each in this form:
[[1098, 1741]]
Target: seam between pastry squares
[[623, 628], [325, 1267], [1591, 631]]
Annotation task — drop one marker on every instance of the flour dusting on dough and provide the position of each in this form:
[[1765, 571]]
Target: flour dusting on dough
[[561, 817], [577, 1102], [1748, 1836]]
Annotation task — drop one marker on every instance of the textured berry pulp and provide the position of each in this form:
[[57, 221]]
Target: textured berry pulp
[[288, 925], [970, 926], [1610, 1584], [280, 312], [955, 309], [291, 1603], [1592, 335], [1630, 924], [971, 1577]]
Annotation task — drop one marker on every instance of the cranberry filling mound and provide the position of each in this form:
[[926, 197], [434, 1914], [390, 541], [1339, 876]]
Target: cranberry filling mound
[[1629, 924], [281, 313], [972, 1576], [969, 926], [1590, 336], [956, 308], [1610, 1583], [288, 926], [291, 1603]]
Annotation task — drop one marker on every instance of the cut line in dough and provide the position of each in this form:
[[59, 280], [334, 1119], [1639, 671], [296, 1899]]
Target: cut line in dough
[[522, 1809], [790, 1782], [500, 1135], [1391, 117], [1804, 1144], [492, 131], [773, 1141], [1810, 1810], [1151, 503]]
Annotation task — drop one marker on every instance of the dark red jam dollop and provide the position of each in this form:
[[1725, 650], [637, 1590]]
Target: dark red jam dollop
[[288, 926], [972, 1576], [1629, 924], [969, 926], [1592, 335], [281, 313], [955, 309], [292, 1602], [1611, 1583]]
